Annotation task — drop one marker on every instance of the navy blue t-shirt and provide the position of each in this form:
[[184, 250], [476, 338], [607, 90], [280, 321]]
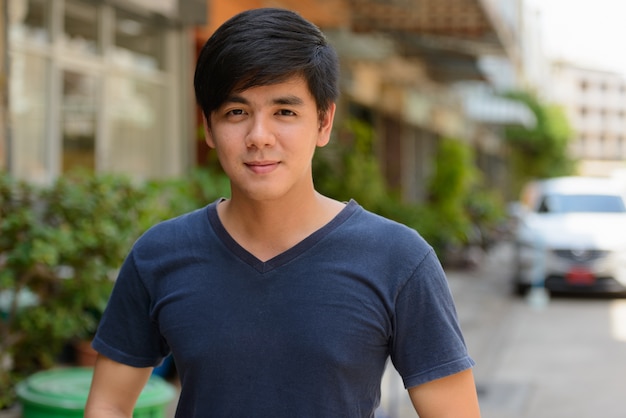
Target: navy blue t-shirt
[[304, 334]]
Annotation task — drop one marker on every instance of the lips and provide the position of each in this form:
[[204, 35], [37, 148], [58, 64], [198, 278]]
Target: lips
[[262, 167]]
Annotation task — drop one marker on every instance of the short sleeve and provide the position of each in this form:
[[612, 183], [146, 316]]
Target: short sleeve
[[427, 343], [127, 333]]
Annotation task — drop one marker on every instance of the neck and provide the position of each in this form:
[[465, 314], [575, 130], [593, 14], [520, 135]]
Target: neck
[[268, 228]]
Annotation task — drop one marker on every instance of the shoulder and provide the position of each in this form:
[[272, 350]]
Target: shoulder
[[383, 242], [372, 226]]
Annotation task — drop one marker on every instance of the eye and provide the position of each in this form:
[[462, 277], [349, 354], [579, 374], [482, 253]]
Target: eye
[[236, 112], [286, 112]]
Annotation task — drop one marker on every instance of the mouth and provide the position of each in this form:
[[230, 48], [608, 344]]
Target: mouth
[[262, 167]]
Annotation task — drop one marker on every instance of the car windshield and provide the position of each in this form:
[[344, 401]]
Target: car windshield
[[558, 203]]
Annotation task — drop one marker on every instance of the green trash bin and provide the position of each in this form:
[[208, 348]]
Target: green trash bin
[[62, 393]]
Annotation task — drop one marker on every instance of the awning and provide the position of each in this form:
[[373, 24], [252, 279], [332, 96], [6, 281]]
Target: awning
[[483, 105]]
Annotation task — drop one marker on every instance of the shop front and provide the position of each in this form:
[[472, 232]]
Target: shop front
[[101, 86]]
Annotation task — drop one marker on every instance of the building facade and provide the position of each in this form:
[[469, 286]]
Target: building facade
[[595, 103], [99, 85], [106, 84]]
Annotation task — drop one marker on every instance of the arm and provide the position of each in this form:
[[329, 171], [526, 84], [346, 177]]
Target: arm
[[449, 397], [115, 389]]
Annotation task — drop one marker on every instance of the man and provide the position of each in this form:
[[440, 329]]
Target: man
[[278, 301]]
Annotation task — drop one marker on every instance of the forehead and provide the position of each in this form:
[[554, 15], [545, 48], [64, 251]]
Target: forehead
[[294, 88]]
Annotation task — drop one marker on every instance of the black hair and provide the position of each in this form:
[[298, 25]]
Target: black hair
[[261, 47]]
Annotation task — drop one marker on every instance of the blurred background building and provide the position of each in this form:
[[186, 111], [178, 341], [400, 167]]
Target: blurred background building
[[101, 85], [595, 101], [106, 85]]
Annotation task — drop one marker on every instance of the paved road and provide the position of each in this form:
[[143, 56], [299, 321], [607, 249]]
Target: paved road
[[566, 359]]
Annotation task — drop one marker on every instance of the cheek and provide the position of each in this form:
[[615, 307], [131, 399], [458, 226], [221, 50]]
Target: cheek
[[225, 141], [226, 151], [225, 154]]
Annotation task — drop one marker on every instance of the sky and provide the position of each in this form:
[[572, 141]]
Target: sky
[[588, 32]]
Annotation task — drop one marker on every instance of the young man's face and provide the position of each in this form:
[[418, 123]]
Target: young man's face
[[265, 138]]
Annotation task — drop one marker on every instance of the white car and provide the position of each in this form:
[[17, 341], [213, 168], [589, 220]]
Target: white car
[[571, 236]]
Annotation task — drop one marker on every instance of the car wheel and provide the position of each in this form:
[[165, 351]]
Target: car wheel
[[519, 288]]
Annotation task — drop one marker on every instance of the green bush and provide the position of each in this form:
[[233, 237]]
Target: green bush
[[60, 249], [457, 209], [348, 168], [167, 198], [454, 177]]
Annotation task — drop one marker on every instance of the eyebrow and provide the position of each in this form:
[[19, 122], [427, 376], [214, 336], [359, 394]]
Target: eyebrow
[[289, 100]]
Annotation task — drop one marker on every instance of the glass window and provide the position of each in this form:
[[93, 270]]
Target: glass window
[[78, 121], [29, 20], [136, 141], [80, 29], [61, 115], [137, 43], [28, 117], [582, 203]]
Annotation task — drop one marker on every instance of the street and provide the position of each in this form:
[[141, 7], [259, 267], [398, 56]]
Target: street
[[565, 358]]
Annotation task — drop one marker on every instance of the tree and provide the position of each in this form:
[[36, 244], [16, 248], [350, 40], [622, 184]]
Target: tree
[[540, 151]]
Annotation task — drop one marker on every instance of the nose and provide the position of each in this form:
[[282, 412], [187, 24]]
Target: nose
[[260, 134]]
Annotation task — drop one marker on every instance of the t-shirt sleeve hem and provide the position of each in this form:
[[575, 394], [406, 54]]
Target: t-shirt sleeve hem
[[438, 372], [121, 357]]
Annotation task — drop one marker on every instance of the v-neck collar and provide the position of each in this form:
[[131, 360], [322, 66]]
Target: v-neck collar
[[284, 257]]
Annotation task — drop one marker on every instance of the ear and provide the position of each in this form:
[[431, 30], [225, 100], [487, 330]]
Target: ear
[[326, 125], [208, 135]]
